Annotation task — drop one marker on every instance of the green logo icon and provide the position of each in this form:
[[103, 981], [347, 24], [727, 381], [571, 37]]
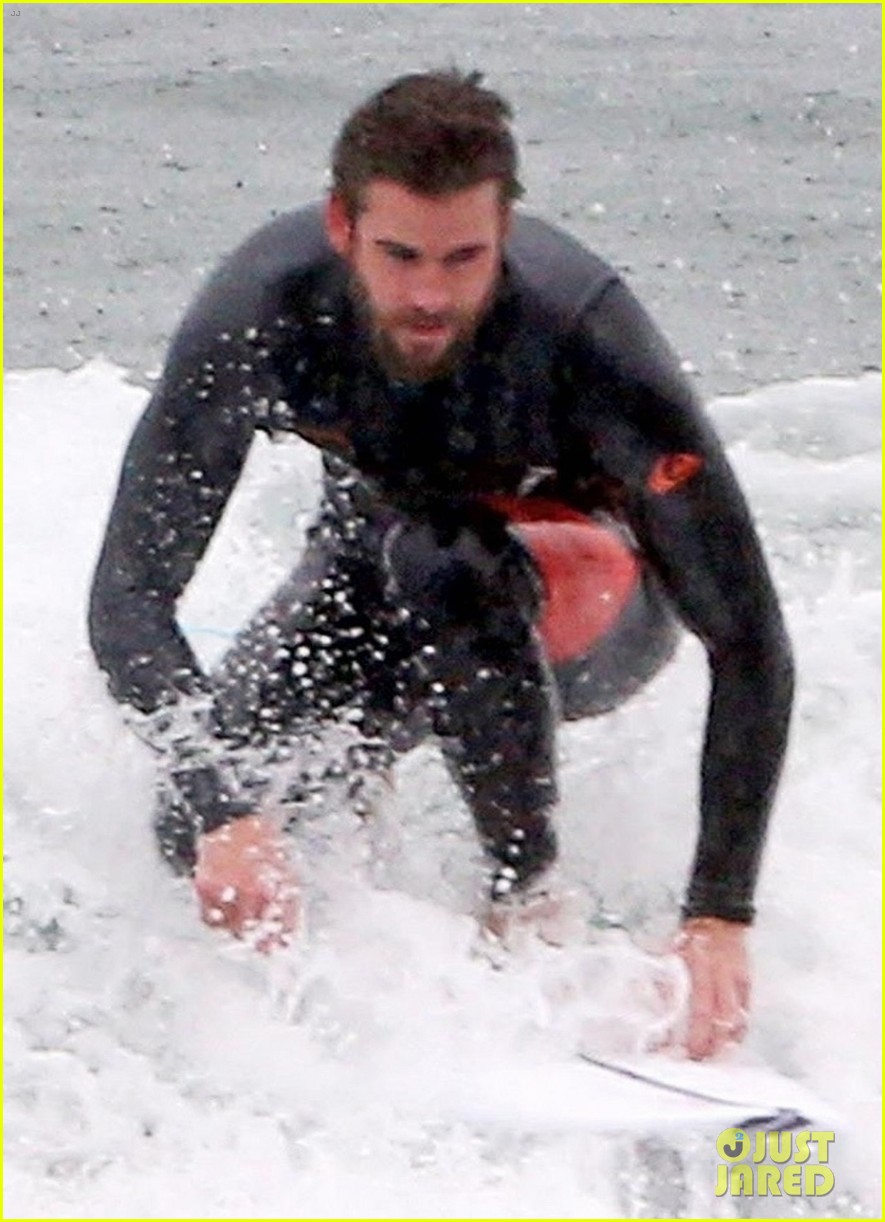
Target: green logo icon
[[732, 1145]]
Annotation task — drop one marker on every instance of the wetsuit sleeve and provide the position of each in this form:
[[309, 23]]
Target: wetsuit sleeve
[[180, 467], [642, 432], [185, 458]]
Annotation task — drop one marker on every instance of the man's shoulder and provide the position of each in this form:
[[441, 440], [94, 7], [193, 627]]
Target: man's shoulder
[[567, 276], [289, 243], [252, 282]]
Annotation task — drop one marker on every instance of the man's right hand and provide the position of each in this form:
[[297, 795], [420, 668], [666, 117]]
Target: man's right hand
[[245, 883]]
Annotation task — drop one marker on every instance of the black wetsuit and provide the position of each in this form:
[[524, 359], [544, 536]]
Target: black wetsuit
[[416, 604]]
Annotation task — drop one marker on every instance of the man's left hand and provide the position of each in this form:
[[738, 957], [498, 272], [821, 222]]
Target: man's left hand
[[715, 953]]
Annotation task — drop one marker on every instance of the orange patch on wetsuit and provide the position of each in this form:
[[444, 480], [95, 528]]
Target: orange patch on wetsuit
[[588, 571], [672, 471]]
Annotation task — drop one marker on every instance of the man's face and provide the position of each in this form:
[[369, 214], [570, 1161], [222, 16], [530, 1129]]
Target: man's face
[[425, 270]]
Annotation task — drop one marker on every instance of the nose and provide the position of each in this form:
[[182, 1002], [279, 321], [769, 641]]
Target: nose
[[430, 290]]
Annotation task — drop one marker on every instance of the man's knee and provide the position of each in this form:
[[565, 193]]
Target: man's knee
[[627, 657]]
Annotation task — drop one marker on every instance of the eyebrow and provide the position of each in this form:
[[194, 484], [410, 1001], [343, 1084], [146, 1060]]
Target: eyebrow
[[471, 248]]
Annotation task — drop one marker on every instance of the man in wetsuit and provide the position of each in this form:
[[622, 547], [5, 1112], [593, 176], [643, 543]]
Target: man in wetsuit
[[521, 498]]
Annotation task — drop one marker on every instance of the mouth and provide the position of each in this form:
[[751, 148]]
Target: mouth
[[428, 328]]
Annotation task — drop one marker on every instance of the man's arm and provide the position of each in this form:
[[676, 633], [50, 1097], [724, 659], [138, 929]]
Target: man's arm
[[184, 460], [180, 467], [701, 540], [643, 432]]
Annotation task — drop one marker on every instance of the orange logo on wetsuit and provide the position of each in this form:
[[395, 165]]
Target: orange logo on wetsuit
[[672, 471]]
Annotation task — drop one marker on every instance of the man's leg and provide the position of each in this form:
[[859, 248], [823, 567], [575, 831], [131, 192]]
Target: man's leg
[[630, 652], [314, 649], [472, 598]]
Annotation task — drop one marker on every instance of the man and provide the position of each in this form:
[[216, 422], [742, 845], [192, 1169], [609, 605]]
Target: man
[[520, 494]]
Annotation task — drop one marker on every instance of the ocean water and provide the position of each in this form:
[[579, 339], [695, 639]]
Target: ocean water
[[156, 1070]]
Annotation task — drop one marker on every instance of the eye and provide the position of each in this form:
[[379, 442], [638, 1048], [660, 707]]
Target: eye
[[400, 254], [458, 258]]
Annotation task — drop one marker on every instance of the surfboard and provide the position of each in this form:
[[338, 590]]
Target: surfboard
[[754, 1095], [649, 1094]]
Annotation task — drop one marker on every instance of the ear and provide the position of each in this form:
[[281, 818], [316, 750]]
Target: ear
[[506, 220], [339, 228]]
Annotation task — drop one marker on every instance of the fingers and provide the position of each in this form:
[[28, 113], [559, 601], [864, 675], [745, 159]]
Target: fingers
[[265, 916], [715, 955], [715, 1022], [245, 884], [276, 922]]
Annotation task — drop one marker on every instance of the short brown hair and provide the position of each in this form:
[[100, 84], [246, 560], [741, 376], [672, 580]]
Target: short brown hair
[[432, 132]]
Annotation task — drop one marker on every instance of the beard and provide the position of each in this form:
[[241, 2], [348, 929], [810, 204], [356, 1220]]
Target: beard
[[412, 365]]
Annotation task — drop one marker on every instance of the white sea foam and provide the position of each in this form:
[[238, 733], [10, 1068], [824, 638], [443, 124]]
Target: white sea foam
[[153, 1070]]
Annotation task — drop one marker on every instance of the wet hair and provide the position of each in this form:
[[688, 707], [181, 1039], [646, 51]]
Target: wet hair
[[432, 132]]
